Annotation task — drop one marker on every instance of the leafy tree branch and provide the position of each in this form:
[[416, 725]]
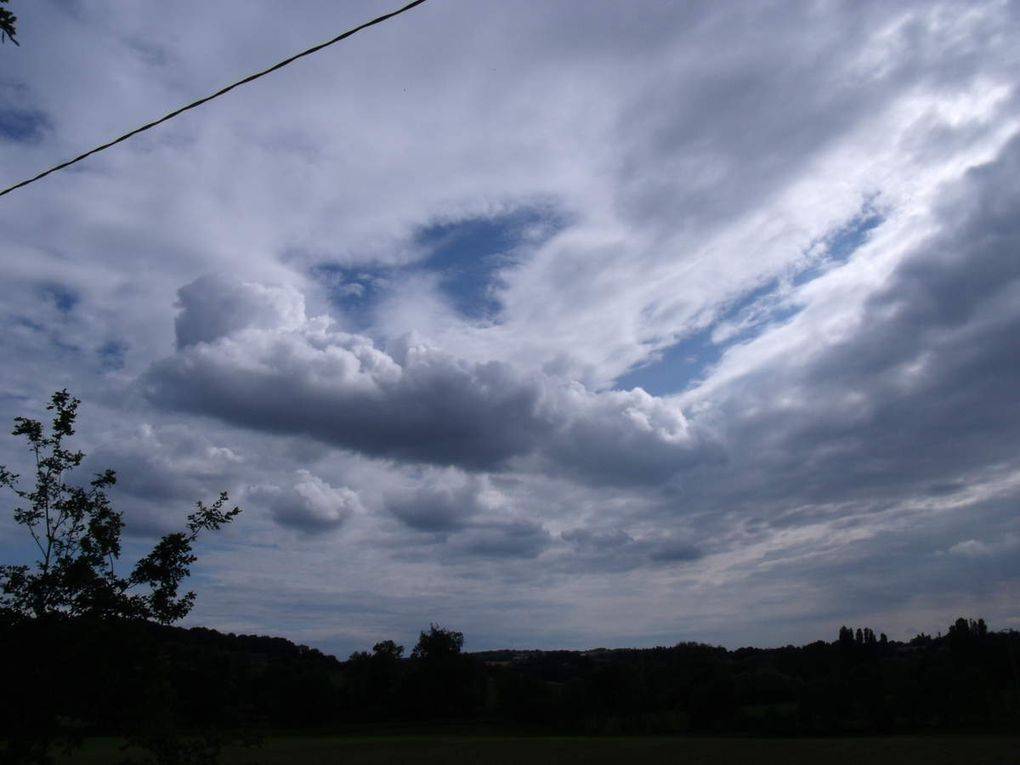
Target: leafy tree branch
[[77, 533], [7, 22]]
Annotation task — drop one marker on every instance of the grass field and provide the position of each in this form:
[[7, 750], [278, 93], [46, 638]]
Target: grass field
[[538, 750]]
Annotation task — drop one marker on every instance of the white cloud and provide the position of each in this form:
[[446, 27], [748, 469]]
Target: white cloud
[[279, 372], [975, 548], [309, 503], [213, 307]]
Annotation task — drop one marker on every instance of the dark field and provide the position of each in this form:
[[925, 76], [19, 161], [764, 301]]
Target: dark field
[[540, 750]]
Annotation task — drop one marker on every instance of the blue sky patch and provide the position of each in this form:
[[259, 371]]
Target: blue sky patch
[[27, 323], [676, 367], [464, 256], [841, 244], [684, 363], [63, 298], [111, 355], [354, 291], [467, 254], [22, 125]]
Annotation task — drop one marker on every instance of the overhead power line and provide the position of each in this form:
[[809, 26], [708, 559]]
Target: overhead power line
[[217, 94]]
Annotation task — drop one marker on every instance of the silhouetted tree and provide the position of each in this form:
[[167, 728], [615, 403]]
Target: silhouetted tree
[[438, 643], [442, 682], [54, 610], [7, 22], [77, 534], [388, 650]]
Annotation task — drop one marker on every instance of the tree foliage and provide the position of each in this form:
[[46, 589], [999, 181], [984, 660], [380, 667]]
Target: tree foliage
[[7, 22], [438, 643], [77, 534]]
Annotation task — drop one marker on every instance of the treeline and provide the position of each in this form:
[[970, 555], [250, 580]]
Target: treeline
[[966, 680], [112, 677]]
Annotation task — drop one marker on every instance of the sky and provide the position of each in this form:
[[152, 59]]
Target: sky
[[561, 324]]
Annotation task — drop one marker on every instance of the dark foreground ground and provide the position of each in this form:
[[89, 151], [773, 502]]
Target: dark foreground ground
[[542, 750]]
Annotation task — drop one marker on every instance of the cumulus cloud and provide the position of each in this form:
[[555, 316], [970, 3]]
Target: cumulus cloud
[[278, 371], [627, 437], [309, 503], [212, 307], [445, 502], [472, 517], [417, 404]]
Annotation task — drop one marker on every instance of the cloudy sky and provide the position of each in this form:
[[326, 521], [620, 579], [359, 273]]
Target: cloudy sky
[[563, 324]]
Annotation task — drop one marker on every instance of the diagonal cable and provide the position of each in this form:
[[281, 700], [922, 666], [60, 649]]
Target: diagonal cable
[[217, 94]]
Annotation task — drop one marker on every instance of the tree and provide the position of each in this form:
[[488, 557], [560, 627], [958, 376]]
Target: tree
[[387, 650], [7, 22], [77, 534], [438, 643], [443, 679], [70, 622]]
